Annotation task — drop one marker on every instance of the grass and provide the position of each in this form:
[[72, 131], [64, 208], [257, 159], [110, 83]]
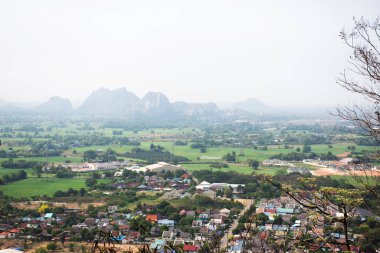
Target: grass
[[233, 167], [236, 168], [351, 180], [43, 186], [4, 171], [51, 159], [215, 154], [340, 148]]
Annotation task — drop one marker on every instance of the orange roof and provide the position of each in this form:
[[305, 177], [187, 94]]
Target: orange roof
[[151, 217]]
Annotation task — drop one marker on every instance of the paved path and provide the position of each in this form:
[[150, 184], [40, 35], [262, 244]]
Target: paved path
[[224, 241]]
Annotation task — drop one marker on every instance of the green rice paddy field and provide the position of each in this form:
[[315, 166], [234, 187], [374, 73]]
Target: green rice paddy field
[[34, 186], [48, 185], [215, 154]]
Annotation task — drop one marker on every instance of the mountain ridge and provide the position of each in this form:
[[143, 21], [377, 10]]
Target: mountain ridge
[[120, 102]]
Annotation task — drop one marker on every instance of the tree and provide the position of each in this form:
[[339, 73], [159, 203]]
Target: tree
[[89, 155], [363, 78], [91, 182], [228, 191], [82, 192], [40, 250], [306, 149], [363, 75], [51, 246], [253, 163], [230, 157], [322, 204], [43, 208], [37, 170]]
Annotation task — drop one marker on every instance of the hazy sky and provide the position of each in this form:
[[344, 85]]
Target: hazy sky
[[281, 52]]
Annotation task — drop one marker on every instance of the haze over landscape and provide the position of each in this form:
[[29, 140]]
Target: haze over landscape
[[282, 53], [213, 126]]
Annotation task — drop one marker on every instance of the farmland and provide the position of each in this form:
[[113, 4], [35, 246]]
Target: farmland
[[34, 186], [51, 143]]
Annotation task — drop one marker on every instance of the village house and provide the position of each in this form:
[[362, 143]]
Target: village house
[[165, 222], [209, 193]]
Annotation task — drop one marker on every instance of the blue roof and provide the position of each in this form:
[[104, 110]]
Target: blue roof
[[119, 238], [284, 210], [280, 227], [158, 244], [237, 247], [166, 221], [48, 215]]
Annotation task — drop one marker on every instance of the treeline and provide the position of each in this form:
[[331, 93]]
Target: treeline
[[294, 156], [101, 156], [307, 139], [70, 193], [366, 141], [298, 156], [155, 155], [15, 176], [97, 140], [10, 153], [64, 173], [20, 164]]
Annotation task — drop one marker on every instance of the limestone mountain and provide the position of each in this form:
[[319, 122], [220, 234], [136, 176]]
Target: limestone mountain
[[105, 102], [251, 105], [156, 103], [196, 109], [55, 105]]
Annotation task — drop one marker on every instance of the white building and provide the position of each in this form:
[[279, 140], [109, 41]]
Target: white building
[[204, 186], [162, 166]]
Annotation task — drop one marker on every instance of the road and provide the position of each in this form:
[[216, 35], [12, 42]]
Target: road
[[224, 241]]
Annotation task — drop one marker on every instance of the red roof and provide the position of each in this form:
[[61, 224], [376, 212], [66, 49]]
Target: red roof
[[264, 235], [134, 234], [151, 217], [270, 210], [185, 176], [122, 227], [188, 247]]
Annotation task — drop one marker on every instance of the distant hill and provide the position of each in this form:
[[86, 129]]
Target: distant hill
[[251, 105], [104, 102], [156, 103], [9, 108], [55, 105], [122, 103], [196, 109]]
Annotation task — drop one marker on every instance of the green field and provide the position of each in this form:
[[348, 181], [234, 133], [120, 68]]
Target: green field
[[43, 186], [9, 171], [233, 167], [50, 159], [164, 137], [215, 154], [351, 180]]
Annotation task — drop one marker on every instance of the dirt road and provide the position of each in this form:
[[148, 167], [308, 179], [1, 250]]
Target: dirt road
[[224, 241]]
